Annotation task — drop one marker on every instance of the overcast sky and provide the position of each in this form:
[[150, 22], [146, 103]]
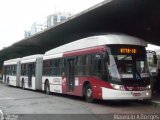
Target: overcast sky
[[18, 15]]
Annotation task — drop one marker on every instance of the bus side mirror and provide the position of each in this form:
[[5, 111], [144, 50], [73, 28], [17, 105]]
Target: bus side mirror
[[154, 59], [107, 58]]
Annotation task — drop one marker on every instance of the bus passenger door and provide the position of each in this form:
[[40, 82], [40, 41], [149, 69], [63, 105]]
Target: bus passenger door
[[70, 75], [30, 75]]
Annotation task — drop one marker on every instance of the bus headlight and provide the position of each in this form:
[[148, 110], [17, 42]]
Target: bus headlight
[[118, 87], [147, 93]]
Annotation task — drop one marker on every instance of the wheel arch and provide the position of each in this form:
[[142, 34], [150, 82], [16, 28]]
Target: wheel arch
[[47, 86], [22, 80], [83, 88], [7, 81], [23, 83], [45, 82]]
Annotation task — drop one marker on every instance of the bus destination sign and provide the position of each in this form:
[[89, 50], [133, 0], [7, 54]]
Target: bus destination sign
[[128, 51]]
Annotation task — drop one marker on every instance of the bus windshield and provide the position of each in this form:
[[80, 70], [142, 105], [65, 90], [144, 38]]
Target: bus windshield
[[127, 66]]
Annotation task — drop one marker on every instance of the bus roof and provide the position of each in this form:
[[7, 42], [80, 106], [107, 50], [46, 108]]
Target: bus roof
[[97, 41], [31, 58], [12, 61]]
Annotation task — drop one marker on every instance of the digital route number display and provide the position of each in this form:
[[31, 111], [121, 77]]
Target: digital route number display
[[128, 51]]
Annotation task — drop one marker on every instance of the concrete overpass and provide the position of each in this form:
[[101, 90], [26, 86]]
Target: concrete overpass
[[140, 18]]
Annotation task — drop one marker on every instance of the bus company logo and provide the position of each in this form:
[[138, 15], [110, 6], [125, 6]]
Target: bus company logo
[[11, 117], [5, 116], [130, 87], [2, 114]]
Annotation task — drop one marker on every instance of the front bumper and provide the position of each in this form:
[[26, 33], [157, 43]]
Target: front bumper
[[112, 94]]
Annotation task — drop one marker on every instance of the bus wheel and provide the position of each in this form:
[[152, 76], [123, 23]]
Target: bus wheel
[[47, 88], [23, 86], [88, 93], [7, 81], [147, 101]]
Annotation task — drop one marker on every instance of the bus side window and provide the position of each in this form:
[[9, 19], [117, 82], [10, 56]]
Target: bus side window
[[98, 65], [79, 65], [62, 66], [33, 69]]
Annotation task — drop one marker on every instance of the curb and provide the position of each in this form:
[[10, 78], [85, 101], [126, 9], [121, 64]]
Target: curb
[[155, 102]]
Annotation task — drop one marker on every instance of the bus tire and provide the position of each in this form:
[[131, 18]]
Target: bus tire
[[23, 85], [7, 83], [47, 88], [147, 101], [88, 93]]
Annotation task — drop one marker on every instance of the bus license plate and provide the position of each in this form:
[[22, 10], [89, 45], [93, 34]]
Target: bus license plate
[[136, 94]]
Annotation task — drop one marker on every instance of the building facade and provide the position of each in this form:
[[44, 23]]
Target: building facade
[[49, 22], [56, 18], [38, 27], [27, 33]]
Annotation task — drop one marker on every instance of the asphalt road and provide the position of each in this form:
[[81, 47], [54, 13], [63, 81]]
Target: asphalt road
[[35, 105]]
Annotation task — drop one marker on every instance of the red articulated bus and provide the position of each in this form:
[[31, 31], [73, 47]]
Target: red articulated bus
[[108, 67]]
